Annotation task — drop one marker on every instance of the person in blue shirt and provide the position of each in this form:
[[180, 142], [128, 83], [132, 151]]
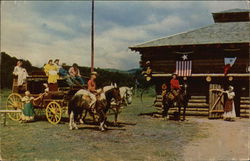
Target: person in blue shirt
[[64, 74]]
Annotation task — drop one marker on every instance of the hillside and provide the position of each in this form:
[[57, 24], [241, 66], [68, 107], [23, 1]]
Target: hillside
[[106, 76], [130, 71]]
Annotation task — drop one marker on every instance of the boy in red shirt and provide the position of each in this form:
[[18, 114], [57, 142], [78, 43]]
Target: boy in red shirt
[[175, 85], [92, 90]]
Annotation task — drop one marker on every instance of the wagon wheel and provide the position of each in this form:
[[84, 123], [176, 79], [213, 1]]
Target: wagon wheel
[[14, 102], [53, 112]]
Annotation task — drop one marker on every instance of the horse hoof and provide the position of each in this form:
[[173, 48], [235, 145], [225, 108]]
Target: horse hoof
[[81, 121], [71, 128]]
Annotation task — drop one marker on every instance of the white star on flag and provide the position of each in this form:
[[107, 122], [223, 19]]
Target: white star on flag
[[184, 57]]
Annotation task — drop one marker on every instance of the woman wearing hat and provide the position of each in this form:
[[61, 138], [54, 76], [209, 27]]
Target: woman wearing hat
[[51, 71], [229, 108]]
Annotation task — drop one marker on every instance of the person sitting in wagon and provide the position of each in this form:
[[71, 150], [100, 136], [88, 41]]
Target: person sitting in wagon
[[56, 63], [175, 85], [74, 73], [65, 75], [52, 72], [21, 73]]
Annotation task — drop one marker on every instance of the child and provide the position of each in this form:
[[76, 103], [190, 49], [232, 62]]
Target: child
[[28, 111]]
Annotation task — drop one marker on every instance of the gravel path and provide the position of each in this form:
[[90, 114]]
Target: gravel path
[[226, 141]]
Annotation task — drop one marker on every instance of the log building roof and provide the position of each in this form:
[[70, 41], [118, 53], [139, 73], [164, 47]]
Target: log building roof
[[217, 33]]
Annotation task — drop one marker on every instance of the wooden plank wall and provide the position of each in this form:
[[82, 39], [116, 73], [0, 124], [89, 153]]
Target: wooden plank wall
[[204, 59]]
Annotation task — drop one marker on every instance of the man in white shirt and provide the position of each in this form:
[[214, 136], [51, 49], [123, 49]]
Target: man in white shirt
[[21, 73]]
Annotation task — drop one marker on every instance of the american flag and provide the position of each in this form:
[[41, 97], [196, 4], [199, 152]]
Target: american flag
[[184, 67]]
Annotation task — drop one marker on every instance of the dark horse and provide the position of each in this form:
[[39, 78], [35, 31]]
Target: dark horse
[[81, 102], [169, 99]]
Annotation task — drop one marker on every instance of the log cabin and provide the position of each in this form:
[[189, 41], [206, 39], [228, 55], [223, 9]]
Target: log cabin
[[202, 56]]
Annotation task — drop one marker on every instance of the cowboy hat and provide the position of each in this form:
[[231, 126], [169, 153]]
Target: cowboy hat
[[93, 73]]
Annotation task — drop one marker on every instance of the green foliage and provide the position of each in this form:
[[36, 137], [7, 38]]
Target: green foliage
[[7, 66], [105, 77]]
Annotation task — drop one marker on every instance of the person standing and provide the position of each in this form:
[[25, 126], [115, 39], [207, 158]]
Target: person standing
[[75, 74], [229, 107], [51, 71], [56, 62], [21, 73]]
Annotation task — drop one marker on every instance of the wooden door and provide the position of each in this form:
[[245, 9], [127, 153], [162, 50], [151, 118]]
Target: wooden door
[[216, 102]]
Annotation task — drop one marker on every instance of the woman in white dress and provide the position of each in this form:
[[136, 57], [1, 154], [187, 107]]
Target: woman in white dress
[[229, 108]]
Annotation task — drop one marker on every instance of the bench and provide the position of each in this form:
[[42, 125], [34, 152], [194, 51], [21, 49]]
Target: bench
[[8, 111]]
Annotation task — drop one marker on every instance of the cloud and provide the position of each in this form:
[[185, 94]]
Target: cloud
[[42, 30]]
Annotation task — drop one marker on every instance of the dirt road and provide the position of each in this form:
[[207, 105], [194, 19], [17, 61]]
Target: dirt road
[[225, 141]]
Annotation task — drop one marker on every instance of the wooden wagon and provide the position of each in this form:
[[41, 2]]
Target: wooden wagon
[[54, 103]]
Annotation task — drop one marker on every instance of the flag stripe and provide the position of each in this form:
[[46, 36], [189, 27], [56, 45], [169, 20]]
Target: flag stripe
[[184, 68]]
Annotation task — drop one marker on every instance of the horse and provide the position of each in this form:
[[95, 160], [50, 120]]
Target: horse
[[169, 99], [80, 102], [126, 97], [85, 92]]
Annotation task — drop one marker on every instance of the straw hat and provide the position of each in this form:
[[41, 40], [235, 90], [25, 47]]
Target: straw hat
[[93, 73]]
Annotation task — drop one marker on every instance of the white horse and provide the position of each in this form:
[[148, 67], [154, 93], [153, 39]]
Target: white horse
[[126, 95]]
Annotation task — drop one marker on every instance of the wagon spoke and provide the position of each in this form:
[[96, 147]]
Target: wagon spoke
[[14, 102], [53, 112]]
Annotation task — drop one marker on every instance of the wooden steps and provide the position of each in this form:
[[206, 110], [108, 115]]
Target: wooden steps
[[191, 113], [197, 106], [245, 107]]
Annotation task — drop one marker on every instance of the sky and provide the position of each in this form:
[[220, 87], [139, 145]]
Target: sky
[[41, 30]]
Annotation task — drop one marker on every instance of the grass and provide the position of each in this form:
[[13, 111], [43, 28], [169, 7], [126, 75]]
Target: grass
[[138, 138]]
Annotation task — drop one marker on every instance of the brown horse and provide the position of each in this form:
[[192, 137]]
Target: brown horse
[[181, 99], [79, 102]]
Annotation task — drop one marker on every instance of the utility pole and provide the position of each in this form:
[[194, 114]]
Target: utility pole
[[92, 37]]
